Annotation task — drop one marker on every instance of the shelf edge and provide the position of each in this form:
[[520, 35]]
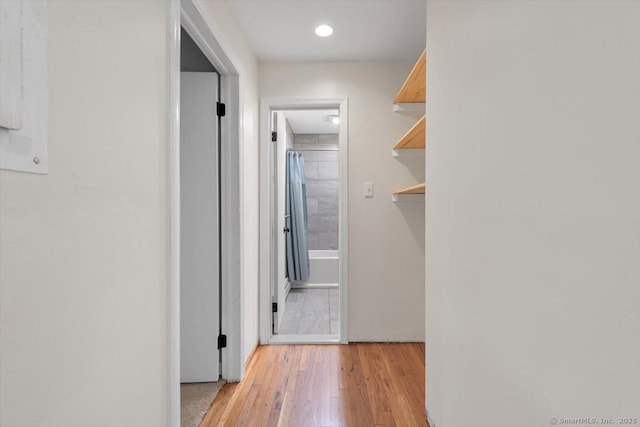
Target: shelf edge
[[408, 152], [409, 108], [407, 198]]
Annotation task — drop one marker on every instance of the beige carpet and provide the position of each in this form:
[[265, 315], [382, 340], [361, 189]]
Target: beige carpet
[[196, 399]]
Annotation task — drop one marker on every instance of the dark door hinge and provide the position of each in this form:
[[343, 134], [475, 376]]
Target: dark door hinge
[[274, 136], [221, 109], [222, 341], [274, 307]]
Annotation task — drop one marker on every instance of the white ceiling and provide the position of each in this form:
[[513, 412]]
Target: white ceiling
[[364, 30], [311, 121]]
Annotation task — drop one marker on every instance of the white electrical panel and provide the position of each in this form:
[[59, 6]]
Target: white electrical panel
[[23, 86], [11, 65]]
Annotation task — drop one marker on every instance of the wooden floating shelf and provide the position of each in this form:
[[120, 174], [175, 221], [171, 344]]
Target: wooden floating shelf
[[414, 87], [408, 152], [415, 193], [414, 138], [414, 189], [410, 100]]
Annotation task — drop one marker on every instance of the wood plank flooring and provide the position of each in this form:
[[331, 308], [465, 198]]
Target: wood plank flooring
[[360, 384]]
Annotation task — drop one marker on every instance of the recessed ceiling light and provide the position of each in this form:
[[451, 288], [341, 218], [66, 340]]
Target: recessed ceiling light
[[334, 119], [324, 30]]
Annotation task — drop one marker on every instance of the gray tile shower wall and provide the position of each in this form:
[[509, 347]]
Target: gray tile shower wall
[[321, 174]]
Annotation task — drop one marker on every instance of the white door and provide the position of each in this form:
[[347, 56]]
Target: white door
[[199, 228], [281, 223]]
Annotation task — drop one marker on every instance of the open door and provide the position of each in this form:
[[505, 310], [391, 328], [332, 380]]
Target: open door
[[279, 293], [199, 228]]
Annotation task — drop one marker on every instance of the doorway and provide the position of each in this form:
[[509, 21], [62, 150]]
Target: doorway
[[303, 223], [200, 214], [200, 245], [188, 16]]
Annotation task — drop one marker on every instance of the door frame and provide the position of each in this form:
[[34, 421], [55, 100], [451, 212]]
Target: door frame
[[188, 15], [267, 203], [280, 280]]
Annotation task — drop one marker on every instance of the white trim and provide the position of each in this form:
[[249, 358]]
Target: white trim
[[232, 234], [188, 14], [343, 228], [173, 152], [314, 285], [304, 339], [266, 215], [264, 297], [208, 38]]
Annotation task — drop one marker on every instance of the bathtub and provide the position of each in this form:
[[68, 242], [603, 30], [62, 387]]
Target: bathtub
[[324, 270]]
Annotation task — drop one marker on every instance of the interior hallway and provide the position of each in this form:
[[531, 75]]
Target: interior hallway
[[362, 384]]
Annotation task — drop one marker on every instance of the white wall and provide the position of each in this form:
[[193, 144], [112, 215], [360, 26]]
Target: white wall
[[533, 212], [386, 241], [83, 250], [229, 34], [290, 136]]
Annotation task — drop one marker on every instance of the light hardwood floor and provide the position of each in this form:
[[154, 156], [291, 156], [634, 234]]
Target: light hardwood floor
[[361, 384]]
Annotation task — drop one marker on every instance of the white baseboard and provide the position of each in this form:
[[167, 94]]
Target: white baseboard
[[305, 339]]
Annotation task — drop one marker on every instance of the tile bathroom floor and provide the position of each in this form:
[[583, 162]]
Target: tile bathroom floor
[[311, 312]]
